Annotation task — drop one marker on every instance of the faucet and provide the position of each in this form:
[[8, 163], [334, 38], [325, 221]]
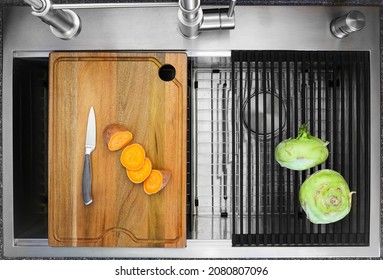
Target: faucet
[[65, 24], [192, 19]]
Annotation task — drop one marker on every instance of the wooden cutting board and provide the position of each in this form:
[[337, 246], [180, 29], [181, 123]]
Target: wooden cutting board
[[123, 88]]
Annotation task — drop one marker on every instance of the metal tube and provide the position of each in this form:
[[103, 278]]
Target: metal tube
[[230, 12], [190, 9], [190, 4], [217, 19], [37, 4], [190, 17], [57, 19], [64, 24]]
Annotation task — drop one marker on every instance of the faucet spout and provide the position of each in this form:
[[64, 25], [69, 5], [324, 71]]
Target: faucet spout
[[190, 8], [190, 4], [65, 24], [192, 19], [36, 4]]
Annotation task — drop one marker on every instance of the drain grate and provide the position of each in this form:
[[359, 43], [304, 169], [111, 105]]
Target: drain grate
[[273, 93], [211, 94]]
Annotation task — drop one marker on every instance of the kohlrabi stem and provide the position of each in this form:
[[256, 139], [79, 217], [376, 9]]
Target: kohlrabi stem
[[303, 132]]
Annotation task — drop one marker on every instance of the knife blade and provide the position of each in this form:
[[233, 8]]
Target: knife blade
[[90, 145]]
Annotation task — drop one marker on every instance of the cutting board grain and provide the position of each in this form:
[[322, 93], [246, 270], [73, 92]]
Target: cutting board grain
[[123, 88]]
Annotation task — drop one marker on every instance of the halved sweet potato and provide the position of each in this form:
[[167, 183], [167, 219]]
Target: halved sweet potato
[[138, 176], [116, 136], [156, 181], [133, 157]]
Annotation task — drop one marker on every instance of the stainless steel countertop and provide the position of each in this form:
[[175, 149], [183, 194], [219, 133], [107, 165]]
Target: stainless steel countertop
[[206, 2]]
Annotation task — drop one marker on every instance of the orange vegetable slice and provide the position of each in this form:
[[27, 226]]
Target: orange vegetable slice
[[138, 176], [133, 157], [116, 136], [156, 181]]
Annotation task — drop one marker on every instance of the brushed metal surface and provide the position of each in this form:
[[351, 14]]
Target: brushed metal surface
[[155, 27]]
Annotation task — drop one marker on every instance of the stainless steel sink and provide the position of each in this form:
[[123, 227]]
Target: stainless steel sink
[[215, 213]]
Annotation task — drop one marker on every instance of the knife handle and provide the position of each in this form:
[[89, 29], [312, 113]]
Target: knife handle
[[87, 181]]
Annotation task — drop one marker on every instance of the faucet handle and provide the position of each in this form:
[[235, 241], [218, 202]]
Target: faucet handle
[[230, 12]]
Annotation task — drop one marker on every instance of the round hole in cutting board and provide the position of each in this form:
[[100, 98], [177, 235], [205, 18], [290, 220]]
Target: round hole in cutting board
[[167, 72], [270, 108]]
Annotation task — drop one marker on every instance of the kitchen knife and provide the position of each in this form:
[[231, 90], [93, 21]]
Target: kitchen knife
[[90, 145]]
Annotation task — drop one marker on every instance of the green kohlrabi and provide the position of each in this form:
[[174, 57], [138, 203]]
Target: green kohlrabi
[[303, 152], [325, 197]]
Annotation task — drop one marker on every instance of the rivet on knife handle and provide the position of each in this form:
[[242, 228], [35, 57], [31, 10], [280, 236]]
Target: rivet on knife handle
[[87, 181]]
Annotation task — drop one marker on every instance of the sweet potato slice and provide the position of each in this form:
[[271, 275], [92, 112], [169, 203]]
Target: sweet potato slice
[[156, 181], [138, 176], [133, 157], [116, 136]]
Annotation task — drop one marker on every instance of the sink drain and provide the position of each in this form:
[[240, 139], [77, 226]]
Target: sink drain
[[266, 111]]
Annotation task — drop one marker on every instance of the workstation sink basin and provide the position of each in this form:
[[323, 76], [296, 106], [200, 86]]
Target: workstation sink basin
[[249, 88]]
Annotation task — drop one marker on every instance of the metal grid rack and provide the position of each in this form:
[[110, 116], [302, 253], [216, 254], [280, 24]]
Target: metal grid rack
[[329, 91], [213, 154]]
